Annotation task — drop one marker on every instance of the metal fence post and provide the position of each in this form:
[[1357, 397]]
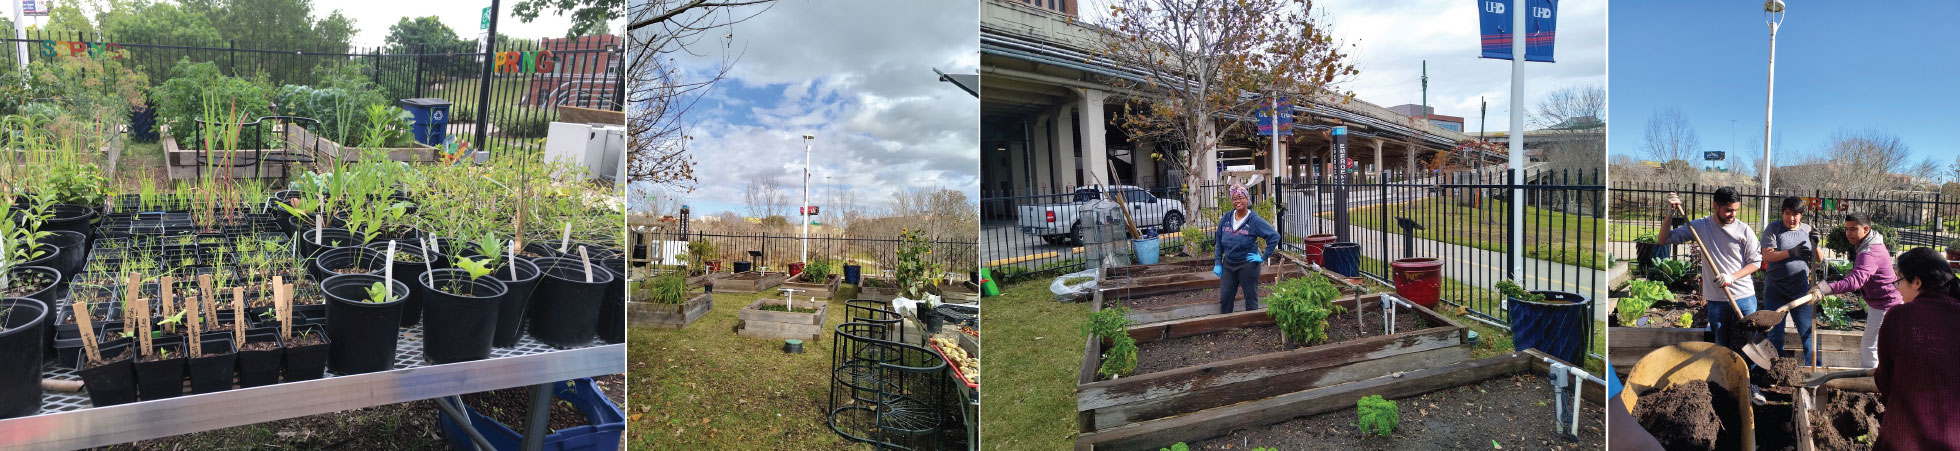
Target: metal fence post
[[231, 51], [483, 85], [419, 49]]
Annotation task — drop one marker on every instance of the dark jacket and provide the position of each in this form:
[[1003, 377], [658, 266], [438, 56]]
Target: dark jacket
[[1917, 360], [1233, 244]]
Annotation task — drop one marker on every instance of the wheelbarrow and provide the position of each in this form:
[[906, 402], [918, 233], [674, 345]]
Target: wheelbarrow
[[1692, 361], [1853, 380]]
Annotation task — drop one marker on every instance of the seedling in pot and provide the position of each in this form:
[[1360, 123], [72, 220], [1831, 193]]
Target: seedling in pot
[[477, 270]]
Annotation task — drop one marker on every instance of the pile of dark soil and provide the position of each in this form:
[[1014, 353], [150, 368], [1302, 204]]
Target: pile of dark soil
[[1205, 296], [1785, 372], [1776, 427], [1513, 412], [1846, 420], [1221, 346], [1691, 416]]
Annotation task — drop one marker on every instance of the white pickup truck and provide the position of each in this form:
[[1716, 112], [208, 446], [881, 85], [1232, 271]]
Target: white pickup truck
[[1057, 223]]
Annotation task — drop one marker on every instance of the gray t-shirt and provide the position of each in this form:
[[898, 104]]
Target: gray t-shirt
[[1791, 277], [1731, 247]]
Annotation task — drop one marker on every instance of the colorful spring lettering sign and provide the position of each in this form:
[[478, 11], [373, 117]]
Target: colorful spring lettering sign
[[525, 62], [51, 49]]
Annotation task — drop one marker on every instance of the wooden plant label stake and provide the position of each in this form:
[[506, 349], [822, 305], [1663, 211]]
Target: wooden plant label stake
[[191, 315], [142, 313], [237, 315], [588, 263], [166, 290], [279, 303], [210, 298], [565, 240], [88, 332]]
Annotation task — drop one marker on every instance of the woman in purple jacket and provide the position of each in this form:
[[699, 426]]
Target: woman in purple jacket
[[1871, 278]]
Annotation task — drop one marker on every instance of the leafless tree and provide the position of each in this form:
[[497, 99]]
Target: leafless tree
[[764, 196], [1867, 157], [1579, 107], [1200, 61], [1670, 137], [662, 91]]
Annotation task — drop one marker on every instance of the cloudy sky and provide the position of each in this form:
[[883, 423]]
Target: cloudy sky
[[372, 18], [858, 75]]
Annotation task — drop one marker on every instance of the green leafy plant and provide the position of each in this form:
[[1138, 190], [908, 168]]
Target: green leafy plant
[[1676, 274], [1377, 416], [669, 288], [1512, 290], [1835, 240], [1686, 320], [1113, 325], [1648, 237], [818, 269], [1641, 295], [1194, 236], [180, 100], [475, 267], [1836, 311], [1301, 306], [377, 293], [915, 274], [699, 252]]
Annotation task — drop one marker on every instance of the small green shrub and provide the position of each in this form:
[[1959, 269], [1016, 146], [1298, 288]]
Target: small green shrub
[[181, 99], [1301, 306], [1836, 241], [1113, 324], [523, 122], [1377, 416], [818, 269], [669, 288], [1687, 320], [1512, 290], [1648, 237], [1676, 274]]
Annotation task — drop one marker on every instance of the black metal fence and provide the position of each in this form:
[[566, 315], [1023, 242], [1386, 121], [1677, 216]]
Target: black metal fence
[[1464, 219], [584, 72], [877, 255], [1916, 218], [1029, 234]]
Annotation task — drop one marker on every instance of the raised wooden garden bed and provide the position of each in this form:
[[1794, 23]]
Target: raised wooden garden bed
[[958, 293], [820, 290], [704, 279], [1150, 395], [885, 292], [759, 323], [1156, 269], [1626, 345], [1185, 296], [749, 282], [304, 139], [181, 163], [670, 316]]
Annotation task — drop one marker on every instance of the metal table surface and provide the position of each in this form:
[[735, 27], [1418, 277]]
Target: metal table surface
[[68, 421]]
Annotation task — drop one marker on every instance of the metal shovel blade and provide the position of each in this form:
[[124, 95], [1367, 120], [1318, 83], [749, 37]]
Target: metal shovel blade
[[1759, 350]]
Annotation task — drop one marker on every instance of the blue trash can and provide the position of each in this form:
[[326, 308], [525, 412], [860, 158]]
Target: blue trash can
[[1556, 326], [1343, 258], [431, 119], [1147, 250]]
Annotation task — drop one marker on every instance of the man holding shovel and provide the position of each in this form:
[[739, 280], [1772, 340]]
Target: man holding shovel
[[1731, 253], [1788, 250]]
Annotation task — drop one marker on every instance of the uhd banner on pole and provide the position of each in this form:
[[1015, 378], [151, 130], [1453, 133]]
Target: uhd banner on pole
[[1541, 25]]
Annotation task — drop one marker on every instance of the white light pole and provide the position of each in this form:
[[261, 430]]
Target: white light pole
[[1772, 15], [803, 212], [1516, 148]]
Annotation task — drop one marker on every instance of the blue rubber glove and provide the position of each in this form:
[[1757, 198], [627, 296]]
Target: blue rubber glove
[[1254, 257], [1218, 270]]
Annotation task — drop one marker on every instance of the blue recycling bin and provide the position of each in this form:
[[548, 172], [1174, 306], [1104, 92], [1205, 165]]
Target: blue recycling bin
[[431, 119]]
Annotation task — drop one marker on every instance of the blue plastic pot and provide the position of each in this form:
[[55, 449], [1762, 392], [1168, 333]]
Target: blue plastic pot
[[1146, 250], [1556, 326], [606, 423], [853, 273], [1344, 258]]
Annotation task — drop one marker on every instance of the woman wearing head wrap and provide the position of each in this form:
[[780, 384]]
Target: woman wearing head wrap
[[1237, 258], [1917, 357]]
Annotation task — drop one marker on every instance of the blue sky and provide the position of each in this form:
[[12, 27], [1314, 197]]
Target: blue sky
[[858, 75], [1839, 66]]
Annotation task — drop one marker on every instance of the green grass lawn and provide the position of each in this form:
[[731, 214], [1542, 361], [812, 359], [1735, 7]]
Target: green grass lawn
[[1560, 237], [704, 387]]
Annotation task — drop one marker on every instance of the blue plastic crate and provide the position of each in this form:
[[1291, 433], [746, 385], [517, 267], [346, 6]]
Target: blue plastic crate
[[607, 424]]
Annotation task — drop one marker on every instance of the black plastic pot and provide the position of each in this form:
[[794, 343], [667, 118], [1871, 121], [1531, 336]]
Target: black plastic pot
[[540, 249], [213, 372], [66, 339], [612, 313], [510, 310], [73, 218], [48, 294], [565, 308], [260, 367], [308, 362], [113, 382], [331, 261], [406, 273], [311, 243], [363, 334], [73, 254], [458, 327], [22, 346], [162, 378]]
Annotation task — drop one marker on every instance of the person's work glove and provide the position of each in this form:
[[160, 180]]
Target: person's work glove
[[1218, 270], [1726, 279], [1802, 252], [1254, 257], [1673, 201], [1817, 294]]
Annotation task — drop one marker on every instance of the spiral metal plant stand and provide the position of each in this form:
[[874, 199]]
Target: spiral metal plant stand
[[887, 393]]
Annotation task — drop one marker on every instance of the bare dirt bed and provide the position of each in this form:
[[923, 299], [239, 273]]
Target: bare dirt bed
[[1690, 416], [1846, 420], [1514, 412], [1209, 295], [1221, 346]]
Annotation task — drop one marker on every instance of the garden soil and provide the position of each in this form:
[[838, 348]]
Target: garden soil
[[1176, 353], [1776, 428], [1695, 415], [1205, 296], [1846, 420], [1514, 412]]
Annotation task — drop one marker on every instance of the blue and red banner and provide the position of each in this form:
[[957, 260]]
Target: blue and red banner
[[1541, 26], [1264, 116]]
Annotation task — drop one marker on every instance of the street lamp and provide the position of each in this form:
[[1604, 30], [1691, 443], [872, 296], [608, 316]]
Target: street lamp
[[802, 212], [1772, 15]]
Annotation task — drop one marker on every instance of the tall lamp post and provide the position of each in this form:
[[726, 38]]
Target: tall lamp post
[[1772, 15], [803, 212]]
